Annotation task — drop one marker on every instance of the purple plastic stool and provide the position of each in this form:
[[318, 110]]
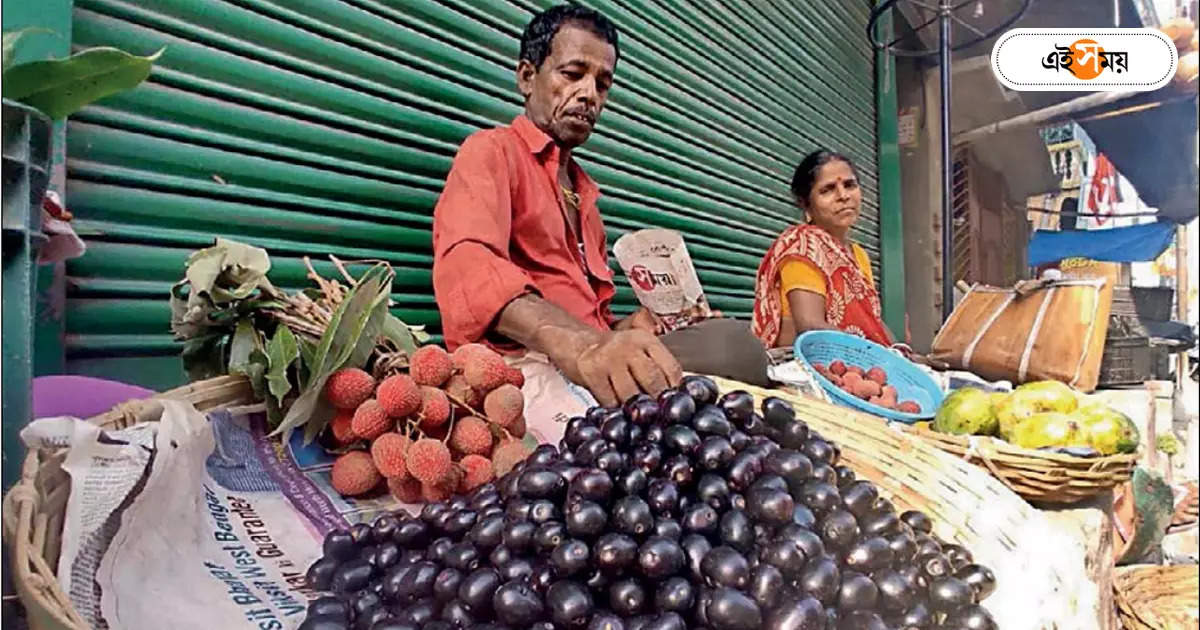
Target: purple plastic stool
[[81, 396]]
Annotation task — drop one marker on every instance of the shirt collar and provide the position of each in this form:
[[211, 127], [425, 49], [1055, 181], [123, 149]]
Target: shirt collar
[[539, 141], [536, 139]]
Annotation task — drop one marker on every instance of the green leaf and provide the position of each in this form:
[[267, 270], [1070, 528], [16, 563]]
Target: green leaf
[[341, 337], [282, 351], [321, 414], [245, 341], [400, 334], [13, 39], [369, 337], [204, 357], [61, 87], [226, 272], [255, 370], [274, 412], [308, 354]]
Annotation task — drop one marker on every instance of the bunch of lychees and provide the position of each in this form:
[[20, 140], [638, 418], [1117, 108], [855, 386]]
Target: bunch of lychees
[[449, 425]]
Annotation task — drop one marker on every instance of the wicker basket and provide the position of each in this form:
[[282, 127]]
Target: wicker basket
[[1040, 581], [1039, 476], [35, 507], [1158, 598], [1034, 567]]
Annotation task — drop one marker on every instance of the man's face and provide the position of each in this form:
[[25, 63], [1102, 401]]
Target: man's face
[[565, 96]]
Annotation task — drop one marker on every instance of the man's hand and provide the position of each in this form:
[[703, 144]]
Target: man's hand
[[641, 319], [621, 364], [613, 365]]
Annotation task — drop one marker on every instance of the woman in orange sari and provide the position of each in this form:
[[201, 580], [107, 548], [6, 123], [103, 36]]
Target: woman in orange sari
[[814, 277]]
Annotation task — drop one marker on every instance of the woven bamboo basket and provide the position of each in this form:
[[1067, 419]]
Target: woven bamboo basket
[[1039, 476], [1158, 598], [1039, 570], [1035, 569], [34, 508]]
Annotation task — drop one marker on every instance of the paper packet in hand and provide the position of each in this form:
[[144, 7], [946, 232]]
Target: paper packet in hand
[[659, 268]]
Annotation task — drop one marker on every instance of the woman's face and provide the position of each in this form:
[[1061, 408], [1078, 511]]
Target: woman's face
[[835, 198]]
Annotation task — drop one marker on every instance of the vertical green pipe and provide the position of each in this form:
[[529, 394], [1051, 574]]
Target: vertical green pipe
[[43, 303], [891, 231]]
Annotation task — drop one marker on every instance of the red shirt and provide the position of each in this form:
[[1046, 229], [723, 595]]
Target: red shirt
[[500, 231]]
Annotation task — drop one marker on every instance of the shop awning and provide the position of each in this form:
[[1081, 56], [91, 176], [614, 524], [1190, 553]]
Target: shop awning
[[1155, 149], [1135, 243]]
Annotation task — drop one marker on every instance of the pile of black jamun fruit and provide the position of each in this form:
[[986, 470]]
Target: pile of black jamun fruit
[[689, 510]]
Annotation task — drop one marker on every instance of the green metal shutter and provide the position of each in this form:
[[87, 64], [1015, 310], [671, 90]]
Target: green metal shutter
[[315, 127]]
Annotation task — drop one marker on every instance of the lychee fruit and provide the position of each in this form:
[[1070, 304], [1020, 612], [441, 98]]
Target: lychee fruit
[[430, 365], [504, 405], [354, 474], [909, 406], [508, 455], [514, 376], [435, 407], [517, 429], [459, 358], [406, 490], [434, 493], [428, 460], [458, 388], [878, 375], [854, 369], [347, 388], [440, 433], [370, 420], [485, 371], [340, 427], [387, 451], [837, 367], [399, 395], [477, 470], [444, 489], [471, 436]]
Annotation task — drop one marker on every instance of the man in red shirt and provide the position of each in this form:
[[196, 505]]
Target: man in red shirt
[[520, 255]]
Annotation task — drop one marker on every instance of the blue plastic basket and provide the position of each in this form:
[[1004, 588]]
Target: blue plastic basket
[[825, 346]]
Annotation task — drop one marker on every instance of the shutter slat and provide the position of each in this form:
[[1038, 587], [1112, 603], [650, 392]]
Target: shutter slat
[[315, 127]]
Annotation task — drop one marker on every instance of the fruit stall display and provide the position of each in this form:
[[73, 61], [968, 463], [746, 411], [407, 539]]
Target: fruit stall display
[[1045, 440], [686, 510], [689, 510], [1036, 568], [870, 385]]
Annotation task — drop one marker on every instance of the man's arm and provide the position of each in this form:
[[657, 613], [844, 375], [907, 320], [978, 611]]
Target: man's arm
[[613, 365], [473, 276]]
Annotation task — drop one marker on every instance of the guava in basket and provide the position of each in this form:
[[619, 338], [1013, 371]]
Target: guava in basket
[[967, 411], [1030, 399]]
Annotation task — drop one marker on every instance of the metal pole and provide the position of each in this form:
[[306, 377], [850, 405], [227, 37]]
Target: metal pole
[[1061, 111], [1182, 293], [947, 165]]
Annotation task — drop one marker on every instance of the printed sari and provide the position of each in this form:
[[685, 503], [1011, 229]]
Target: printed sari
[[851, 303]]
